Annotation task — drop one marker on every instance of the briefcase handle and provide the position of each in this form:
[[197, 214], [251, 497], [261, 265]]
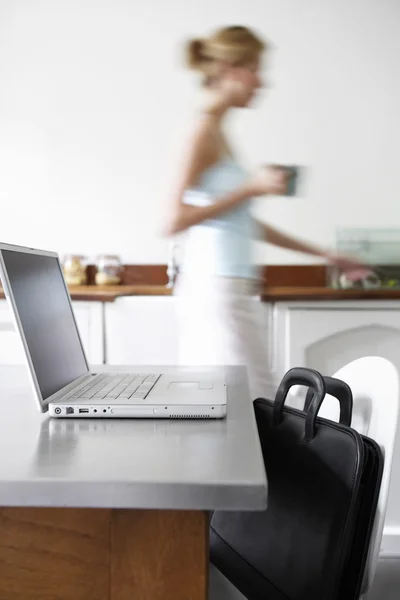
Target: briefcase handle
[[298, 376], [339, 390]]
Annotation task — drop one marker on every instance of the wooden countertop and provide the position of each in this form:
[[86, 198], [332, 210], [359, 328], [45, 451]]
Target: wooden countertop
[[275, 294], [95, 293], [268, 294], [112, 292]]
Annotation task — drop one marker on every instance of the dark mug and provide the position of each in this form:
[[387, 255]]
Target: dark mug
[[294, 173]]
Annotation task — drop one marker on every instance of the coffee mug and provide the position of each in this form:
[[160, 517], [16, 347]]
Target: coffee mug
[[294, 173]]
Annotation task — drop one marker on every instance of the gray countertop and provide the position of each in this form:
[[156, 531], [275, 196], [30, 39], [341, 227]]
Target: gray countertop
[[110, 463]]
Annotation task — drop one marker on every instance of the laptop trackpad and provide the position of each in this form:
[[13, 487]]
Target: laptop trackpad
[[190, 385]]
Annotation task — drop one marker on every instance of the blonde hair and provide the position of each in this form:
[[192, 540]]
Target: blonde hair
[[235, 45]]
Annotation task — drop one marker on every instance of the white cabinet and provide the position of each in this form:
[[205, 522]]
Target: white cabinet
[[90, 320], [11, 350], [89, 317], [141, 330], [328, 335]]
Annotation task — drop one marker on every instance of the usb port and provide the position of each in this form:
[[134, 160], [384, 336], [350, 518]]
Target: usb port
[[83, 410]]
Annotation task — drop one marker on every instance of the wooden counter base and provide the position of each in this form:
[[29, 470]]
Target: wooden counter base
[[99, 554]]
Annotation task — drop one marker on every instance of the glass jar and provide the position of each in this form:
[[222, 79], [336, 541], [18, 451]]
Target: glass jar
[[109, 270], [74, 268]]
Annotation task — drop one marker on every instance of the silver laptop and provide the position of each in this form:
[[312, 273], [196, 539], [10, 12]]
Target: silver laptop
[[63, 384]]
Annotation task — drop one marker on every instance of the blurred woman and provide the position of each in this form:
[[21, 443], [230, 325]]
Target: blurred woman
[[218, 317]]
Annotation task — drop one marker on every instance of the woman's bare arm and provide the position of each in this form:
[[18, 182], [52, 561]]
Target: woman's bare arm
[[275, 237], [355, 268]]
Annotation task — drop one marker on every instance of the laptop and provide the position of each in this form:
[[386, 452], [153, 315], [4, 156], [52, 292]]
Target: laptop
[[63, 384]]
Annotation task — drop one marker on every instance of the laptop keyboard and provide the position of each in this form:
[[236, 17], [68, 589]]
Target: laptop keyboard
[[112, 387]]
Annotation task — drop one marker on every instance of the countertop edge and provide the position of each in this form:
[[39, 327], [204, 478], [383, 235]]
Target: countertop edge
[[267, 294], [133, 496]]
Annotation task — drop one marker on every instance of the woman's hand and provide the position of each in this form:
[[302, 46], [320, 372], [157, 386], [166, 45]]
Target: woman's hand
[[269, 180], [352, 267]]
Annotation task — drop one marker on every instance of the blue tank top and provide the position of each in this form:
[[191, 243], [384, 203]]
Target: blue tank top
[[221, 246]]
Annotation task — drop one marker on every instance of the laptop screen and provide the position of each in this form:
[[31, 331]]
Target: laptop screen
[[47, 320]]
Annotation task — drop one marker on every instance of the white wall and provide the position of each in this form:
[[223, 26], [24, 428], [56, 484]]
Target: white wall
[[92, 98]]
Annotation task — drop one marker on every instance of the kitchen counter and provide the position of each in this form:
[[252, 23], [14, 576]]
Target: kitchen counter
[[111, 293], [96, 293], [276, 294], [268, 294], [111, 509], [129, 463]]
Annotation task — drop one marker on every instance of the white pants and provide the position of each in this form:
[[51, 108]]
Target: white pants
[[220, 324]]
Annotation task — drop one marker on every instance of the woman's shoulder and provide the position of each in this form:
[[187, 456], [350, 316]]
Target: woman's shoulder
[[202, 145]]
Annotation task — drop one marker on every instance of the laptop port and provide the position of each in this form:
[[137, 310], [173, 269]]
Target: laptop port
[[69, 410], [83, 410]]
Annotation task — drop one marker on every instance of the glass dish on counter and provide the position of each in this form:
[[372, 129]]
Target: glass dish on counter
[[109, 270], [378, 248], [74, 268]]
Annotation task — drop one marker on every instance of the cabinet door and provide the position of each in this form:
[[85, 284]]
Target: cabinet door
[[141, 331], [90, 324], [11, 349], [89, 318], [327, 337]]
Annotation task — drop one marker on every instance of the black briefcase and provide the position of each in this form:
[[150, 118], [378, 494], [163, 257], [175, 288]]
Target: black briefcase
[[323, 484]]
